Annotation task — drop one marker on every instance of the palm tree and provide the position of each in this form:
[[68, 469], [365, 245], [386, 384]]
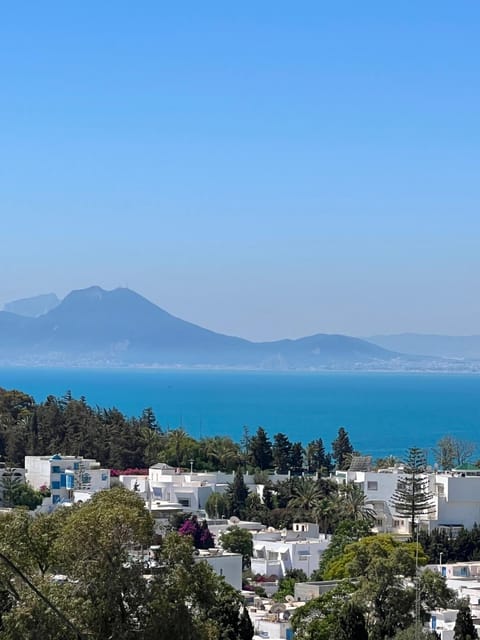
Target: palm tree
[[224, 452], [353, 503], [326, 513], [306, 494]]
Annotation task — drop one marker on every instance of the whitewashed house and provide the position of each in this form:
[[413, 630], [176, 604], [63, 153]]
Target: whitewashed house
[[455, 499], [276, 552], [65, 474]]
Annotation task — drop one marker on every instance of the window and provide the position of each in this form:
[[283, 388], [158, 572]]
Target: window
[[76, 466], [56, 469], [372, 485], [185, 502], [55, 484], [104, 477]]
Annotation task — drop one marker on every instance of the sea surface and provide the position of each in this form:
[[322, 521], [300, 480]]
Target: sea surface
[[384, 413]]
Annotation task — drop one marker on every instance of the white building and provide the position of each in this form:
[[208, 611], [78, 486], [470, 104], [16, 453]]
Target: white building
[[455, 499], [464, 579], [65, 474], [191, 489], [225, 564], [276, 552]]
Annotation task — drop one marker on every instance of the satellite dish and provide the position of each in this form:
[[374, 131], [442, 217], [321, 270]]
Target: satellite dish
[[278, 607], [289, 598], [234, 520]]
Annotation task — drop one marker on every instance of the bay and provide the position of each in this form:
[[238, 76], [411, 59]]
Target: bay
[[384, 413]]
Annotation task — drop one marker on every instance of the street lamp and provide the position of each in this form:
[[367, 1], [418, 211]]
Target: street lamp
[[191, 465], [441, 556]]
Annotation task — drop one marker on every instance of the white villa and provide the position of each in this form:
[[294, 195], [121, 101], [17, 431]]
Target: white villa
[[64, 475], [455, 498], [276, 552]]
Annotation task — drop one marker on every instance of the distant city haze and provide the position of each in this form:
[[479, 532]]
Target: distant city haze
[[263, 170]]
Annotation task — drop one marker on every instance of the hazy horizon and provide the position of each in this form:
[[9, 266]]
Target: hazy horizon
[[262, 170]]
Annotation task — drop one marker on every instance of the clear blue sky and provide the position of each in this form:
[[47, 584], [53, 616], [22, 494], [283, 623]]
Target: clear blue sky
[[265, 169]]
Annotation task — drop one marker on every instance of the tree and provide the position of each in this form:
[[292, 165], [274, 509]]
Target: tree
[[286, 585], [348, 531], [453, 452], [317, 460], [351, 623], [412, 497], [342, 449], [353, 503], [237, 540], [217, 505], [306, 494], [199, 533], [245, 626], [373, 553], [464, 628], [297, 454], [281, 451], [318, 618], [260, 450], [237, 493], [416, 632]]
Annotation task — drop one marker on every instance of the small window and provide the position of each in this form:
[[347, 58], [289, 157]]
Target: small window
[[185, 502], [372, 485], [55, 484], [56, 469]]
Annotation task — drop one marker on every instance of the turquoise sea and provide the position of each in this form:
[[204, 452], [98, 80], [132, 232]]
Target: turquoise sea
[[384, 413]]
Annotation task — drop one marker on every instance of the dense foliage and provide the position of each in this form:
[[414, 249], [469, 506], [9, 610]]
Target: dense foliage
[[442, 546], [81, 573], [72, 427], [376, 597]]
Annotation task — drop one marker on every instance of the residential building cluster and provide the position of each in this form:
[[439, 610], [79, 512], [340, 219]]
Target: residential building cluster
[[167, 490]]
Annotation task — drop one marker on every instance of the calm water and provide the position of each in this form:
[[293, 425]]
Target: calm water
[[383, 413]]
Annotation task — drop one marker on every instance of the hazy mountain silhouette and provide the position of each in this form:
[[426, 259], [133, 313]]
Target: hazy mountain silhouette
[[120, 327], [464, 347], [33, 307]]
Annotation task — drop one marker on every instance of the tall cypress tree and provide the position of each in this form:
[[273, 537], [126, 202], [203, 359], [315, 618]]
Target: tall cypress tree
[[237, 493], [464, 628], [261, 449], [412, 497], [342, 449], [281, 452], [245, 626]]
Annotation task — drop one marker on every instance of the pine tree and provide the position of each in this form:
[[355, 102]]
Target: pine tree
[[260, 449], [237, 493], [412, 497], [296, 457], [464, 628], [281, 452], [342, 449]]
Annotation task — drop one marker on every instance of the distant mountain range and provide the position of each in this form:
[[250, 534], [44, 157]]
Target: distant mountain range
[[436, 346], [33, 307], [94, 327]]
